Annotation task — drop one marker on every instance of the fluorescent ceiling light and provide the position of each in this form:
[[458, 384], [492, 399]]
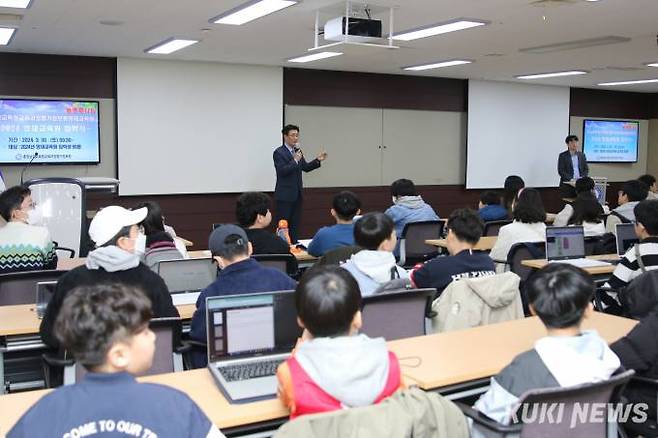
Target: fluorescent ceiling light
[[169, 46], [5, 35], [438, 29], [437, 65], [251, 10], [315, 57], [653, 64], [553, 75], [17, 4], [643, 81]]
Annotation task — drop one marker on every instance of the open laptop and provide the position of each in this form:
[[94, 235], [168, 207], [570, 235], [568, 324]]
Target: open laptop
[[626, 237], [44, 292], [567, 245], [249, 335], [186, 278]]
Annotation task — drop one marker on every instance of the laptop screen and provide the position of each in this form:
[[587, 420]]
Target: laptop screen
[[187, 275], [44, 292], [626, 237], [251, 324], [565, 243]]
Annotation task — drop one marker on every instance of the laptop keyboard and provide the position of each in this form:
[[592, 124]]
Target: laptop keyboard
[[252, 370]]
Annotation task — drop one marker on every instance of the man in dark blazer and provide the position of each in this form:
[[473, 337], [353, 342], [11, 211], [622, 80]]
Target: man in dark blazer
[[289, 163], [571, 165]]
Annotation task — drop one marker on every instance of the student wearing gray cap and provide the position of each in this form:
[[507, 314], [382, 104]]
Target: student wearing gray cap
[[239, 273]]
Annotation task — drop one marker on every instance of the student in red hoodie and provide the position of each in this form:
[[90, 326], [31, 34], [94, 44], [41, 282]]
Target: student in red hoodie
[[333, 367]]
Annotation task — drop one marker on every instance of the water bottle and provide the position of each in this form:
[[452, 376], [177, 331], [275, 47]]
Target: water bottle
[[282, 231]]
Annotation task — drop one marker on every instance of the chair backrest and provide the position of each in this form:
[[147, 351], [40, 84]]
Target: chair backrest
[[412, 241], [524, 251], [491, 228], [20, 287], [338, 255], [396, 314], [285, 263], [165, 360], [575, 423]]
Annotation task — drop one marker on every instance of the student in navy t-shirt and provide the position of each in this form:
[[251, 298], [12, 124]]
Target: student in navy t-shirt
[[464, 230], [106, 329], [346, 205]]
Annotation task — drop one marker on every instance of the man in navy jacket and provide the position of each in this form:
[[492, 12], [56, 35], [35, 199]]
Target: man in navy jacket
[[289, 163]]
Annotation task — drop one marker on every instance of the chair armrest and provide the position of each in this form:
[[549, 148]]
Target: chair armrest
[[484, 421], [69, 250], [54, 361], [646, 380], [189, 345]]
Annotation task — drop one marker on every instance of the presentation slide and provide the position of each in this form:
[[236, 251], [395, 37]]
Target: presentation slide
[[59, 132], [607, 141]]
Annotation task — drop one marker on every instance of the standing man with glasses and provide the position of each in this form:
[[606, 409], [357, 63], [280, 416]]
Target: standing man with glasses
[[571, 165]]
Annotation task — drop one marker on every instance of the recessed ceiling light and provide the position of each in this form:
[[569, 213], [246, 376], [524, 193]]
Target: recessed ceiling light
[[5, 35], [438, 29], [315, 57], [18, 4], [251, 10], [441, 64], [642, 81], [556, 74], [169, 46], [653, 64]]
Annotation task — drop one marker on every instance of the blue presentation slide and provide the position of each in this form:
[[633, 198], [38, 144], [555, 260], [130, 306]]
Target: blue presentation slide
[[59, 131], [611, 141]]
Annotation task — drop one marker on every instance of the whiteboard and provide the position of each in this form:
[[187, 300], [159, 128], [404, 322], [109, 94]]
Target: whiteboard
[[515, 129], [196, 127]]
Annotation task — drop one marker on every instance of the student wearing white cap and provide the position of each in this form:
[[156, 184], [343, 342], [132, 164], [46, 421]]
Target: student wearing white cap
[[116, 259]]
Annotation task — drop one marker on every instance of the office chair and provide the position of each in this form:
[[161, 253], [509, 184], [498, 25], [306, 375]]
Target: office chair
[[413, 248], [286, 263], [491, 228], [524, 251]]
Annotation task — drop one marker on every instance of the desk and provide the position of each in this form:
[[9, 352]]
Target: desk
[[484, 244], [443, 361], [598, 270], [302, 256]]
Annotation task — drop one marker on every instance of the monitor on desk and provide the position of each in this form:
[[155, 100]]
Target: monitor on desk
[[626, 237], [44, 293]]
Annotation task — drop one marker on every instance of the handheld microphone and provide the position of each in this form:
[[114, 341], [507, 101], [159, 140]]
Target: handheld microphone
[[36, 154]]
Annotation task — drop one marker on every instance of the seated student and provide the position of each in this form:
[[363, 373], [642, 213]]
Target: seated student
[[24, 246], [105, 327], [160, 245], [528, 226], [585, 210], [115, 260], [346, 205], [231, 250], [650, 182], [490, 207], [375, 264], [253, 214], [560, 295], [631, 193], [408, 206], [646, 229], [513, 184], [333, 367], [464, 230]]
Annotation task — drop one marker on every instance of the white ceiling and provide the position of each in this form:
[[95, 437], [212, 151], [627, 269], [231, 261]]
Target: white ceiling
[[72, 27]]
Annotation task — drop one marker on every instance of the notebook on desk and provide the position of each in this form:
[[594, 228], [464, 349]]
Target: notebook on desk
[[567, 245], [248, 337], [626, 237], [186, 278]]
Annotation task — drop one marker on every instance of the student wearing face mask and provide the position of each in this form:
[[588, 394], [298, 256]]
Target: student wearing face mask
[[116, 259], [24, 246]]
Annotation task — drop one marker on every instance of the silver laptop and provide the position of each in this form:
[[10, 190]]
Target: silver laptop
[[44, 293], [186, 278], [248, 337], [567, 245], [626, 237]]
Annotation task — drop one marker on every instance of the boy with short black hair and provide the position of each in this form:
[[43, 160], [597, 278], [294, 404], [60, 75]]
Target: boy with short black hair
[[334, 367], [631, 193], [252, 211], [650, 181], [561, 296], [490, 207], [375, 264], [464, 231], [408, 206], [106, 329], [346, 205]]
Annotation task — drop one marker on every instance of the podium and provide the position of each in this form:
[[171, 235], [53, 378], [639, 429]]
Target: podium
[[63, 203]]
